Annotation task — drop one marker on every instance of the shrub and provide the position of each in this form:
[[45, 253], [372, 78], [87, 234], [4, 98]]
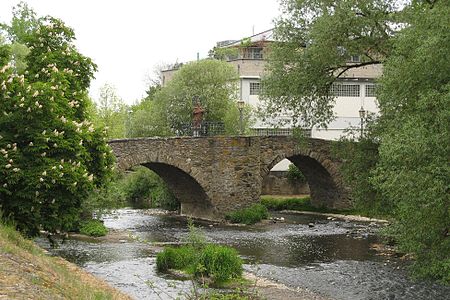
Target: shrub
[[93, 228], [250, 215], [294, 175], [144, 189]]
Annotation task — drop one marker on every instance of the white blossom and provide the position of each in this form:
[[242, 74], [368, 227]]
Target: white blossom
[[44, 173], [53, 181], [36, 93], [44, 154], [5, 185], [16, 170], [30, 144], [41, 179], [91, 177]]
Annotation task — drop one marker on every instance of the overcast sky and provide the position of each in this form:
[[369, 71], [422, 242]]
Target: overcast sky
[[128, 39]]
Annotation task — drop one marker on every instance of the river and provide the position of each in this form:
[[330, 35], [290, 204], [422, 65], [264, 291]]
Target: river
[[335, 259]]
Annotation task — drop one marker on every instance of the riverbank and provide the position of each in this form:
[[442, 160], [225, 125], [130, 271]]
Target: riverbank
[[28, 272]]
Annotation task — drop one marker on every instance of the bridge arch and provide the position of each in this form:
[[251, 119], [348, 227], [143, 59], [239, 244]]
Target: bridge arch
[[189, 192], [321, 172]]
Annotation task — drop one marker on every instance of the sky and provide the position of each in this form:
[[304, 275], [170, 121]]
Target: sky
[[128, 40]]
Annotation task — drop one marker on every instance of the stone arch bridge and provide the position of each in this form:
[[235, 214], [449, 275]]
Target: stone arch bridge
[[211, 176]]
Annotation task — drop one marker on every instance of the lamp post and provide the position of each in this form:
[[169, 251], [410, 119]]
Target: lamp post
[[362, 116], [240, 105], [128, 123]]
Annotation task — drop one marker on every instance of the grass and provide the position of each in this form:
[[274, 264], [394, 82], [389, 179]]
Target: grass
[[220, 264], [93, 228], [298, 204], [250, 215], [27, 272]]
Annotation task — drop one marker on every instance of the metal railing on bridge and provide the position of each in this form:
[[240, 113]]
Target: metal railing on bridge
[[204, 129]]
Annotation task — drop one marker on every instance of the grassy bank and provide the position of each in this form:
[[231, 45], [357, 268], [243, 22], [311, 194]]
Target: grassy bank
[[249, 215], [26, 272], [298, 204]]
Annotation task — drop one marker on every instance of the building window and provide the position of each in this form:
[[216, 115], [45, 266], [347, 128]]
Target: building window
[[345, 90], [371, 90], [354, 59], [255, 88], [253, 53]]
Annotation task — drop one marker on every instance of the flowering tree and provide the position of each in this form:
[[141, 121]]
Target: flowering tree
[[51, 156]]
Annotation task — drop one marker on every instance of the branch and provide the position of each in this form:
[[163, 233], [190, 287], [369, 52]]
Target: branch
[[348, 67]]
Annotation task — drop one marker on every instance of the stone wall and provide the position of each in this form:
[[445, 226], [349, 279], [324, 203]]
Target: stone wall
[[277, 183]]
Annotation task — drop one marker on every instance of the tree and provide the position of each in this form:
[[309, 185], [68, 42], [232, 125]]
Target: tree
[[111, 112], [403, 160], [51, 155], [315, 40], [211, 82], [413, 171]]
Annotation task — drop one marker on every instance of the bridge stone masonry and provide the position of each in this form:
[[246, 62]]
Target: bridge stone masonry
[[211, 176]]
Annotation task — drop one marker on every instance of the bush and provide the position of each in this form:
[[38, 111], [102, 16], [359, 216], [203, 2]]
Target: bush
[[93, 228], [294, 175], [250, 215], [145, 189]]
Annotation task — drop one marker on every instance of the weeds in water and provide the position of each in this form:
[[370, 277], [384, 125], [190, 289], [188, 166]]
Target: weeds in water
[[200, 259], [93, 228]]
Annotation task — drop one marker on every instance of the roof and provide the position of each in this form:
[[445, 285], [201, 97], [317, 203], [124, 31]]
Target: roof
[[265, 36]]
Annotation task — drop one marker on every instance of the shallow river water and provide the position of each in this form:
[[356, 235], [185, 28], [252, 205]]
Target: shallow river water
[[334, 258]]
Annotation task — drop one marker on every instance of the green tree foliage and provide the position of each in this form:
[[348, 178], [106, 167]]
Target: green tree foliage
[[316, 39], [51, 155], [169, 108], [111, 112], [144, 189], [414, 171], [147, 118]]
